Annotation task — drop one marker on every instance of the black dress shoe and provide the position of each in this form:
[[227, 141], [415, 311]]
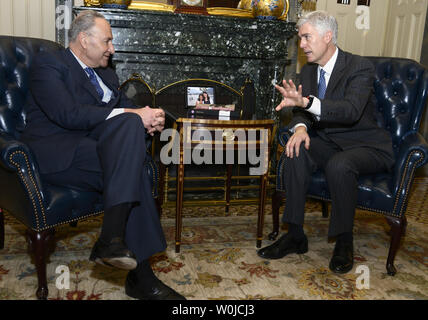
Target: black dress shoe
[[283, 246], [149, 290], [113, 254], [343, 257]]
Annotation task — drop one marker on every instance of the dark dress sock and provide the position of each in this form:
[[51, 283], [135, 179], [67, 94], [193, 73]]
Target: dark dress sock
[[114, 222], [296, 230], [144, 273]]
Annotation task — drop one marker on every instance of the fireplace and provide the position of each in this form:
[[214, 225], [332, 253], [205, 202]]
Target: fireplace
[[166, 48]]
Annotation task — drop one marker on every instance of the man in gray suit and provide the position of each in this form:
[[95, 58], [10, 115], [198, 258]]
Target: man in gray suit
[[333, 128]]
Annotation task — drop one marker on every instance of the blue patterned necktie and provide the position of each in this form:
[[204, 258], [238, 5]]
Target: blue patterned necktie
[[321, 85], [94, 81]]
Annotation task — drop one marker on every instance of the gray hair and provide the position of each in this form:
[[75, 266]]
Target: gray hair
[[83, 23], [322, 21]]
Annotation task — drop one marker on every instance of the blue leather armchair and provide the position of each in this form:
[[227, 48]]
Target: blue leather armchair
[[401, 89], [39, 206]]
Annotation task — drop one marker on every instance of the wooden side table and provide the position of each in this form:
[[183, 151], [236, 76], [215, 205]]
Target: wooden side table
[[252, 136]]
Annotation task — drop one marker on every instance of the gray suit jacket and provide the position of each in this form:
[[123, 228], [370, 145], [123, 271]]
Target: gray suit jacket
[[347, 110]]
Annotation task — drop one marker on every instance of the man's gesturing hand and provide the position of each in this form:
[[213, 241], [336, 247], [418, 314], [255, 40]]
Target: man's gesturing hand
[[293, 145], [291, 96]]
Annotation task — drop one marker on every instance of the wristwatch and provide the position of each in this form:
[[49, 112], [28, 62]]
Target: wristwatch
[[311, 99]]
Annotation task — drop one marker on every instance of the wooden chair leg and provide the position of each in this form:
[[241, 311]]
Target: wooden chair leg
[[228, 186], [398, 229], [179, 205], [277, 198], [1, 229], [261, 213], [41, 243]]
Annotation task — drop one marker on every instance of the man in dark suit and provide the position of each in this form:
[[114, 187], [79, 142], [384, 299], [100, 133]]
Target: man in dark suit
[[87, 135], [333, 128]]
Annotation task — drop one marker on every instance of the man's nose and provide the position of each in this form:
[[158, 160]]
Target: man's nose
[[111, 48]]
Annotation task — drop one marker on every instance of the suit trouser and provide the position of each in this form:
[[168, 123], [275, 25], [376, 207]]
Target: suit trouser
[[110, 160], [342, 169]]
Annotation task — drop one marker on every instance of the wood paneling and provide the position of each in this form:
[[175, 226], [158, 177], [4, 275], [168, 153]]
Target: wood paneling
[[405, 28]]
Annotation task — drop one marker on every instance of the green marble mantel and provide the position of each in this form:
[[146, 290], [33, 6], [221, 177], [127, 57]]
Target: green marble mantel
[[165, 47]]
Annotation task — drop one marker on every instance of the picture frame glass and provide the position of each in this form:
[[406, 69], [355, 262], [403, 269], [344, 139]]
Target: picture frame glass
[[196, 95]]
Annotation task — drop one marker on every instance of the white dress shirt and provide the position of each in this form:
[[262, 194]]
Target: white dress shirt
[[107, 92], [315, 108]]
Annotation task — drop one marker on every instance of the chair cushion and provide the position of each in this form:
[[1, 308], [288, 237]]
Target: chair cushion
[[374, 191], [67, 205]]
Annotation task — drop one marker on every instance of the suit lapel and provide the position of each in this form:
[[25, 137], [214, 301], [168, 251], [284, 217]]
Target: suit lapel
[[107, 81], [337, 73], [80, 75], [313, 81], [309, 80]]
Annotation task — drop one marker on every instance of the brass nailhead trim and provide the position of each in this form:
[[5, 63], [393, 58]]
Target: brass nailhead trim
[[72, 220], [27, 187], [410, 180]]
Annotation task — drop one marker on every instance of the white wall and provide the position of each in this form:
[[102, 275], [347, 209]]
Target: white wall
[[405, 28], [29, 18]]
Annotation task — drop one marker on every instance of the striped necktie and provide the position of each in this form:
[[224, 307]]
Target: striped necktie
[[94, 81], [321, 85]]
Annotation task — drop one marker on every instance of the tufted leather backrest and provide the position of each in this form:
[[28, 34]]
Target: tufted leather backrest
[[400, 92], [16, 55]]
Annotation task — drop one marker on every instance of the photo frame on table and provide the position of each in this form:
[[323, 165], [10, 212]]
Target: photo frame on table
[[193, 93]]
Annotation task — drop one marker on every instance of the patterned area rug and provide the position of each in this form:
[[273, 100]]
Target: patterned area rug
[[218, 260]]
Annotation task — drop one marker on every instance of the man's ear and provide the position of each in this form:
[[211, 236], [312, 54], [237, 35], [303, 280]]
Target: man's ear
[[328, 36], [83, 39]]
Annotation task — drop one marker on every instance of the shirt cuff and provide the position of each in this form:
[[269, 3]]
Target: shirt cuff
[[315, 108], [298, 125], [115, 112]]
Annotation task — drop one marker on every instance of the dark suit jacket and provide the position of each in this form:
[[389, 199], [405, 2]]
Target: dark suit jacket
[[63, 106], [347, 110]]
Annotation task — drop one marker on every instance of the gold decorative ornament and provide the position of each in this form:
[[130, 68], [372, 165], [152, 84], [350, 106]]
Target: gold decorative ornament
[[116, 4], [231, 12], [92, 3], [245, 4], [153, 6], [267, 9]]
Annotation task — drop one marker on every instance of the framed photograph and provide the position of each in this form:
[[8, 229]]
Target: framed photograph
[[199, 95]]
